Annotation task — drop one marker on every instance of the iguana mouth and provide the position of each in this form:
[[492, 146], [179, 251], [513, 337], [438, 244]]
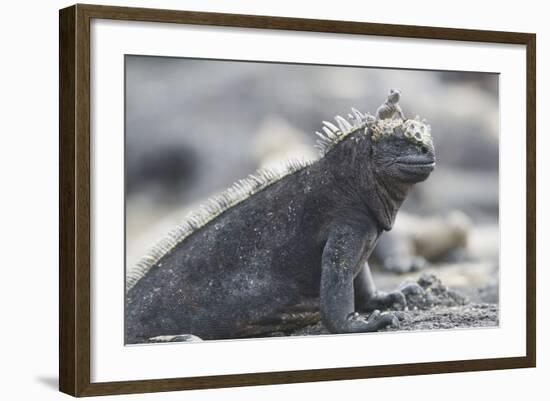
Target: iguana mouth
[[416, 168], [416, 161], [420, 165]]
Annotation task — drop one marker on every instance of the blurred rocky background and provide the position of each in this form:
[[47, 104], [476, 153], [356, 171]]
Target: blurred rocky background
[[193, 127]]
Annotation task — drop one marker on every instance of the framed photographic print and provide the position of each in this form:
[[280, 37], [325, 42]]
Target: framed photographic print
[[251, 200]]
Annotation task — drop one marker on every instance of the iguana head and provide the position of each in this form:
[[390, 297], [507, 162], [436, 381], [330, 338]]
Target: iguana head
[[402, 151], [378, 160], [394, 96]]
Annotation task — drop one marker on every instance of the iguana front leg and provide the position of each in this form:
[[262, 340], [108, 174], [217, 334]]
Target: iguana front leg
[[341, 254], [367, 298]]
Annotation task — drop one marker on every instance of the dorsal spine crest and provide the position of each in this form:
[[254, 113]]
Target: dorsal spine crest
[[335, 133]]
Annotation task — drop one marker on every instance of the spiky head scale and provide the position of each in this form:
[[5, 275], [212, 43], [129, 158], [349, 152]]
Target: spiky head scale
[[415, 130]]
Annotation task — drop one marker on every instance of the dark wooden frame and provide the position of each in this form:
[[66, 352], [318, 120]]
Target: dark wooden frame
[[74, 199]]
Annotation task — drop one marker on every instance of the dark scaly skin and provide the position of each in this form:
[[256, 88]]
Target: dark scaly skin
[[295, 250]]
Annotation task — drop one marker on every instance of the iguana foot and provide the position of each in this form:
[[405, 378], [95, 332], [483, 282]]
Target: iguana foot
[[175, 339], [392, 300], [374, 322]]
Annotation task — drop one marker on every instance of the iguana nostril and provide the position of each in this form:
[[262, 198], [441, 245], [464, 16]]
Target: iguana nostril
[[417, 135]]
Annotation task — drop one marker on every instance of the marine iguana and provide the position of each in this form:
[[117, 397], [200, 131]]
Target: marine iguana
[[390, 107], [281, 249]]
